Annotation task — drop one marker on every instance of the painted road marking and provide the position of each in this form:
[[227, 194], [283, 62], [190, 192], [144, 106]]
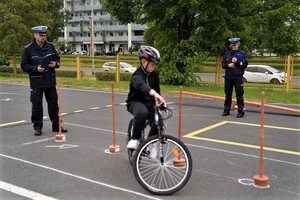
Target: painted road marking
[[63, 114], [7, 99], [193, 135], [79, 177], [64, 146], [13, 123], [78, 111], [38, 141], [23, 192], [95, 108]]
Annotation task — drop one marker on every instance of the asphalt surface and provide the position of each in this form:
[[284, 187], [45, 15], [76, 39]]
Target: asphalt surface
[[225, 150]]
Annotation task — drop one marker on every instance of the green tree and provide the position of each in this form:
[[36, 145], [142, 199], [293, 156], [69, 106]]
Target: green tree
[[17, 17], [276, 27], [187, 31]]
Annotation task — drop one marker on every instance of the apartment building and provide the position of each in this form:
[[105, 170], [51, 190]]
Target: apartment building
[[105, 33]]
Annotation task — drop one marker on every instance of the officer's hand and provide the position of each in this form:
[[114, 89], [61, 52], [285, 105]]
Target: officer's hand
[[40, 69], [234, 59], [231, 65], [52, 64]]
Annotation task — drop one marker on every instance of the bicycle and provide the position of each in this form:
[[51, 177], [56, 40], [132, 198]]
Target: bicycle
[[172, 167]]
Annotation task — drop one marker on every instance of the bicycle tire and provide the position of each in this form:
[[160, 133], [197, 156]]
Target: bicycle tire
[[167, 178], [130, 152]]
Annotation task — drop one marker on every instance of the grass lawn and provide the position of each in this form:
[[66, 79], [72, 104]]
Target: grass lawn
[[273, 93]]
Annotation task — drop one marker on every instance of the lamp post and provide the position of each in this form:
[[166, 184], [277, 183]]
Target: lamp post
[[91, 36]]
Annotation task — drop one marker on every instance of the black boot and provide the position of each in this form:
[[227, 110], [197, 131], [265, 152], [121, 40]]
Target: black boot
[[63, 130], [226, 112], [37, 132], [240, 114]]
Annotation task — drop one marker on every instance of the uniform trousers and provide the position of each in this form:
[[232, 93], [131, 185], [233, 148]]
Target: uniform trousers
[[237, 83], [36, 98]]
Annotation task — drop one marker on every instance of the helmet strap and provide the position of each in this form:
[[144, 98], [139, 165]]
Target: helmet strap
[[145, 69]]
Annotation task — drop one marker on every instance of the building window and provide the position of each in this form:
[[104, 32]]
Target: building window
[[138, 33]]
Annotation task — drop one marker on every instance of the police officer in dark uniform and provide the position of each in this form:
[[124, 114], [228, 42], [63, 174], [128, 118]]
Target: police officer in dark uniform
[[42, 78], [234, 62]]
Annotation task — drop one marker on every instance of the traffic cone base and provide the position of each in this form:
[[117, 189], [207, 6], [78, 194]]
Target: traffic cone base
[[60, 138], [261, 181], [179, 162], [114, 148]]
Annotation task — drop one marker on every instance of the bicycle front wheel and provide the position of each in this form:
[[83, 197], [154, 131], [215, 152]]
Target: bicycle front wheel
[[168, 171]]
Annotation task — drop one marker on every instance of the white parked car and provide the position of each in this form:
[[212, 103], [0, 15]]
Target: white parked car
[[124, 67], [263, 74]]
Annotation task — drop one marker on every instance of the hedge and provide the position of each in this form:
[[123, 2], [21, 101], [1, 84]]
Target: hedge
[[7, 71], [111, 76]]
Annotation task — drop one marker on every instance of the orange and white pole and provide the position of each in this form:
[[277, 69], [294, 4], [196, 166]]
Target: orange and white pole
[[261, 181], [113, 148], [179, 161], [59, 137]]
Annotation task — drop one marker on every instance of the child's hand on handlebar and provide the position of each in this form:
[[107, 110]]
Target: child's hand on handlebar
[[159, 100]]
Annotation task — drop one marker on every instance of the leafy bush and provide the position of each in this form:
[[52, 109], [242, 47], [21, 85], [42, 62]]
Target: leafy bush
[[5, 71], [67, 73], [111, 76]]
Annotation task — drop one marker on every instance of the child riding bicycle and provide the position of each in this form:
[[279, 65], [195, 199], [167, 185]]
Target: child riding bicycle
[[144, 93]]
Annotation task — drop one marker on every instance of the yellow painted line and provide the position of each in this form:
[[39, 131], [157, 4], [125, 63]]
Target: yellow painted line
[[62, 114], [123, 104], [266, 126], [78, 111], [95, 108], [13, 123], [107, 106], [246, 145], [192, 135]]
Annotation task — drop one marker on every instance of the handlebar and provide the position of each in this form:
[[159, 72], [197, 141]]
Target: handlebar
[[164, 110]]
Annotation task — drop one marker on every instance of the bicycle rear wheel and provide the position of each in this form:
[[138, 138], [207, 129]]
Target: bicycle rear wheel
[[162, 175], [130, 152]]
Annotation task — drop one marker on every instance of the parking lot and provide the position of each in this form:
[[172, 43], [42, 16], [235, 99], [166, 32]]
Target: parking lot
[[225, 150]]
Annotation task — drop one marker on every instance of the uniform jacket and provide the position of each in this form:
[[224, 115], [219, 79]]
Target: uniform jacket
[[140, 85], [31, 58], [240, 66]]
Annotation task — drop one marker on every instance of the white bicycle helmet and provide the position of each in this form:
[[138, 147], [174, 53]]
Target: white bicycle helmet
[[150, 54]]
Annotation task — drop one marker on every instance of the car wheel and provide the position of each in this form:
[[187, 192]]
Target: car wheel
[[274, 81], [244, 80]]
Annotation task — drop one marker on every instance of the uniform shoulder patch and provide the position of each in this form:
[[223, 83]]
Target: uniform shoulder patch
[[27, 46]]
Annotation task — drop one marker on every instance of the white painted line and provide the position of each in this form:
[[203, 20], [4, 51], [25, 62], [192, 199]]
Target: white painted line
[[243, 154], [94, 128], [38, 141], [64, 146], [79, 177], [23, 192], [7, 99]]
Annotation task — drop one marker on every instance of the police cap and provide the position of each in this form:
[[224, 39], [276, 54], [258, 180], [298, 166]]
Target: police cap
[[234, 41], [41, 30]]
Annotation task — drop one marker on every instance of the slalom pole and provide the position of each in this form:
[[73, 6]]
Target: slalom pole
[[113, 148], [180, 114], [178, 161], [261, 181], [59, 137]]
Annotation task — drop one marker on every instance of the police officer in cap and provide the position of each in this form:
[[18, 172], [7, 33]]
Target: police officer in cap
[[234, 62], [42, 78]]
